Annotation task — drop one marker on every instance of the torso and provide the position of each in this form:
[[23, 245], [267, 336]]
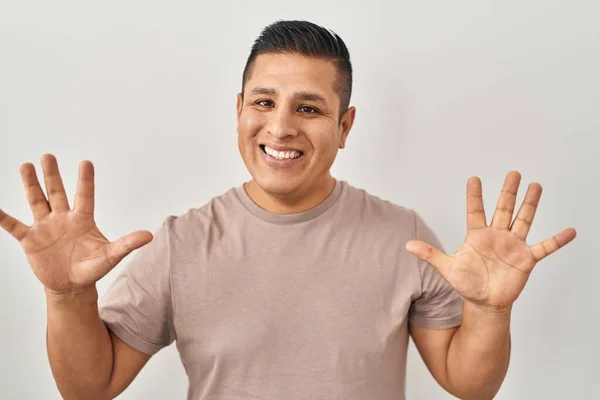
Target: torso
[[301, 309]]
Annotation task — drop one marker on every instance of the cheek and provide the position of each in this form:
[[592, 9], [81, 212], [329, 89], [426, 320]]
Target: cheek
[[327, 143], [250, 125]]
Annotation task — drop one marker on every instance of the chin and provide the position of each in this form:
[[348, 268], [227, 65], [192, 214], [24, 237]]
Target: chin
[[278, 186]]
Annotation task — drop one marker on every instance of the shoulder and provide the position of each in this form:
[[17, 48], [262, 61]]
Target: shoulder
[[200, 221], [371, 210], [387, 217]]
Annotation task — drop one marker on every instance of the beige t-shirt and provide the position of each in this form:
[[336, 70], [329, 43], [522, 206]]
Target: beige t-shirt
[[263, 306]]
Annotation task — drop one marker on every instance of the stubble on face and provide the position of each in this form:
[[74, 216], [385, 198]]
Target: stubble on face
[[290, 103]]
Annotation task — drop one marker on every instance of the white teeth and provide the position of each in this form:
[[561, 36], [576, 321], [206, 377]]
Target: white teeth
[[281, 155]]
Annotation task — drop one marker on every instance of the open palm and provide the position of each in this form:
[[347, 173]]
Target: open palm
[[493, 264], [64, 247]]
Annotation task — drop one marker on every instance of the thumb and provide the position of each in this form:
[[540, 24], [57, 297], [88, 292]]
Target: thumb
[[434, 257], [120, 248]]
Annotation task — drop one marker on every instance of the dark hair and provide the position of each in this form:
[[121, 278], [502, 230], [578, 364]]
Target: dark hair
[[306, 39]]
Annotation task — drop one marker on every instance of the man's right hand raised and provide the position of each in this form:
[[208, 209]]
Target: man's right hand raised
[[66, 250]]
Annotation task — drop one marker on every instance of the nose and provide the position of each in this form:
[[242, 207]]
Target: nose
[[281, 124]]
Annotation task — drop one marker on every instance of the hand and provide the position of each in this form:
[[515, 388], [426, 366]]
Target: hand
[[493, 264], [64, 247]]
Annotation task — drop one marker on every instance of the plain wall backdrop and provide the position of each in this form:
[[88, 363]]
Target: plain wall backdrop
[[444, 90]]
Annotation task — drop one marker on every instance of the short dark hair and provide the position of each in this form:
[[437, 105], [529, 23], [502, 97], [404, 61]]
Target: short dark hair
[[306, 39]]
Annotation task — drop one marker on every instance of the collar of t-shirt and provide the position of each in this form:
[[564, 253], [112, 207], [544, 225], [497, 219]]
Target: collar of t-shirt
[[289, 218]]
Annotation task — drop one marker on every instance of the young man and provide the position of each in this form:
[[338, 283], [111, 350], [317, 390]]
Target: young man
[[294, 285]]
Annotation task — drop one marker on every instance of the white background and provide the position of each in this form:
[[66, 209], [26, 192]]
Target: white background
[[444, 90]]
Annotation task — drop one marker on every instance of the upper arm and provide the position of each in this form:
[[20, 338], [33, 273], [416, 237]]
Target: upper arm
[[127, 363], [137, 306], [137, 310], [435, 315], [433, 345]]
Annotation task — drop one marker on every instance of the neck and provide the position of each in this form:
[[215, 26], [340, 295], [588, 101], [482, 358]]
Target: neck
[[292, 203]]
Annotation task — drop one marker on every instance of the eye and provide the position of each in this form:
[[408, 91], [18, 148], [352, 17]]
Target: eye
[[264, 103], [308, 110]]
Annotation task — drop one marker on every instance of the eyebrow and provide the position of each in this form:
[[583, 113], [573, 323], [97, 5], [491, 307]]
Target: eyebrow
[[302, 95]]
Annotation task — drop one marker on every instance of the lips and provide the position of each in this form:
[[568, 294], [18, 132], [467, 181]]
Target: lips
[[282, 159], [281, 153]]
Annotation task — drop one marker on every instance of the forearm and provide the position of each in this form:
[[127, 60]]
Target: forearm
[[79, 345], [479, 353]]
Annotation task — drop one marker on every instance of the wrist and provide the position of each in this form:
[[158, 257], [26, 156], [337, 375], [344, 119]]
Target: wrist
[[488, 310], [83, 295]]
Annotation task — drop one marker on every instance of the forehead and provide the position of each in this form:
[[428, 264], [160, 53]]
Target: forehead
[[291, 72]]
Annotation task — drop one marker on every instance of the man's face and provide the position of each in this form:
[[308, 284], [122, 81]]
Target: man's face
[[289, 130]]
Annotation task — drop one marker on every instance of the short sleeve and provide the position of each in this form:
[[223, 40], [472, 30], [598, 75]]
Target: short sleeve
[[137, 307], [439, 306]]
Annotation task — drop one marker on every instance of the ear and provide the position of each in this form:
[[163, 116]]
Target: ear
[[346, 124], [240, 103]]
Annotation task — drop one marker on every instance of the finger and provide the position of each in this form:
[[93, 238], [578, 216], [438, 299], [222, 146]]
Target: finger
[[549, 246], [475, 211], [524, 218], [436, 258], [120, 248], [84, 197], [506, 202], [35, 195], [16, 228], [55, 189]]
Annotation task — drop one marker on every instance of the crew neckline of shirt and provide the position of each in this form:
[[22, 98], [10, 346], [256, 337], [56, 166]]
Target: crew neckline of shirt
[[304, 216]]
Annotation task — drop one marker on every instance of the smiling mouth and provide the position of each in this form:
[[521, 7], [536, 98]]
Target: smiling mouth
[[281, 155]]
